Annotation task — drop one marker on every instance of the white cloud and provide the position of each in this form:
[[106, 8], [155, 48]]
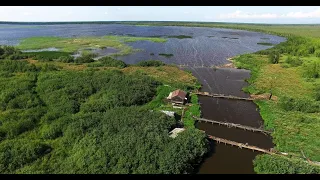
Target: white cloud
[[105, 12], [27, 13], [312, 14], [247, 15]]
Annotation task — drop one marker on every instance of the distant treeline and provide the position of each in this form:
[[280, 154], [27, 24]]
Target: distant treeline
[[143, 22]]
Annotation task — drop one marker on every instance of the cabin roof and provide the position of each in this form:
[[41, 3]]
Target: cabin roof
[[177, 93], [175, 131], [169, 113]]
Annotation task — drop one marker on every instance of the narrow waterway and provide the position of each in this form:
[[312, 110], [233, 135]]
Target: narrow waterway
[[226, 159]]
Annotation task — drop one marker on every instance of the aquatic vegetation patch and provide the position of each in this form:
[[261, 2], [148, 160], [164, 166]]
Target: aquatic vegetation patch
[[265, 43], [166, 55], [180, 36], [75, 44]]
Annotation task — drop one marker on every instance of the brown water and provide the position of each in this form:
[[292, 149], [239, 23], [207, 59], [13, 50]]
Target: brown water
[[227, 159]]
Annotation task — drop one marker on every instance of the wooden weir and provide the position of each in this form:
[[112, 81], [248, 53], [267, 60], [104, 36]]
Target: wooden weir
[[254, 148], [240, 145], [223, 96], [232, 125]]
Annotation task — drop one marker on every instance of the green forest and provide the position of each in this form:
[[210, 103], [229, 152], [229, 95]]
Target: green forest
[[96, 119]]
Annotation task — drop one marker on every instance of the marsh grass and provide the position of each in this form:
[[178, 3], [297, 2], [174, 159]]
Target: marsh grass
[[75, 44]]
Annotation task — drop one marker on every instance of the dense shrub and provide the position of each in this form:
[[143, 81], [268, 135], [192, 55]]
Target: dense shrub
[[299, 104], [17, 66], [317, 94], [110, 62], [49, 67], [294, 61], [6, 51], [311, 69], [274, 57], [46, 55], [66, 59], [86, 57], [14, 154], [317, 53], [268, 164]]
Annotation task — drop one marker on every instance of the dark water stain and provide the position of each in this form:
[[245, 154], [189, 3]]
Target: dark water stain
[[228, 160]]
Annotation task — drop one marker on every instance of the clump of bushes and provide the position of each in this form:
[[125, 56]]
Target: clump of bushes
[[274, 57], [17, 66], [149, 63], [294, 61], [311, 69], [66, 59], [317, 53], [9, 51], [299, 104], [46, 55], [86, 57], [111, 62], [317, 94]]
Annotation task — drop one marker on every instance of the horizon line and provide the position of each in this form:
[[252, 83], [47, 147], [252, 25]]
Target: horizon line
[[3, 22]]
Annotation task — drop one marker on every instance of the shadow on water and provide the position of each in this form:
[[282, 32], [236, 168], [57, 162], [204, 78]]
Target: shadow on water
[[227, 159], [212, 147]]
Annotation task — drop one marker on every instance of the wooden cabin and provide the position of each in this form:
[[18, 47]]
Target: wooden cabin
[[178, 96]]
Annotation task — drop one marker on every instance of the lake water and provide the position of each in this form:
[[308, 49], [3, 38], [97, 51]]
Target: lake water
[[207, 47]]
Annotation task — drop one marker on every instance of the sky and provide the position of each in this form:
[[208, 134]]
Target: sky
[[240, 14]]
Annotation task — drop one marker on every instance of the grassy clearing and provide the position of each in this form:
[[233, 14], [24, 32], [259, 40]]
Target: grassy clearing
[[296, 129], [75, 44], [193, 110], [170, 75]]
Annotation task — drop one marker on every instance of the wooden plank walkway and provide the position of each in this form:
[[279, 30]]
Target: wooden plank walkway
[[232, 125], [240, 145], [255, 148], [222, 96]]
